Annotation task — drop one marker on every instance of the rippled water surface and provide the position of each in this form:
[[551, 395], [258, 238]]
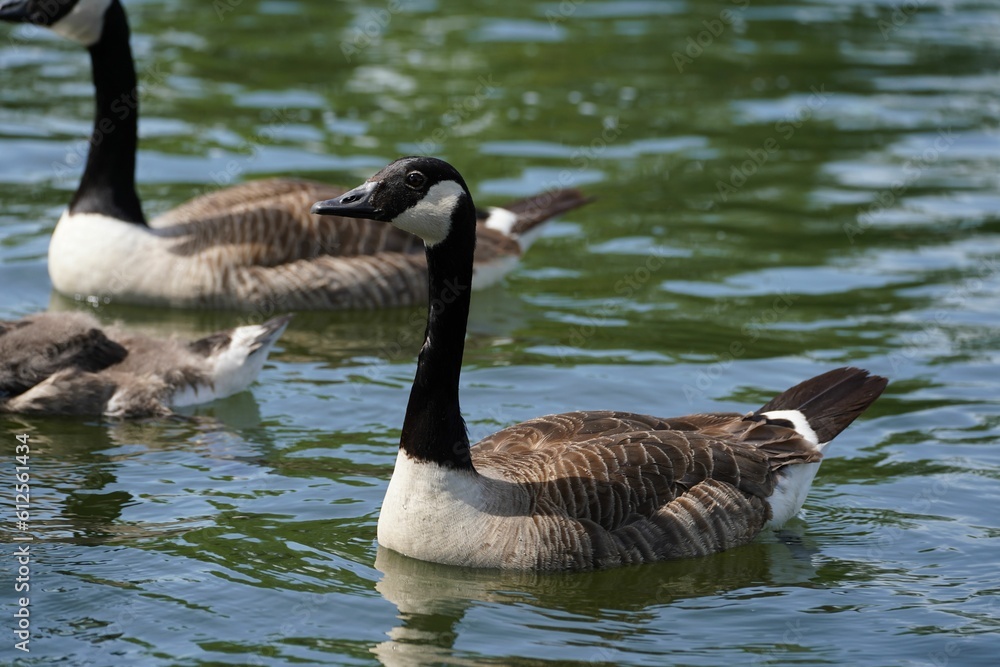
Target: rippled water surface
[[782, 187]]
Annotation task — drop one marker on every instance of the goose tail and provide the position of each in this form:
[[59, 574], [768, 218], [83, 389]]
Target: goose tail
[[819, 409], [823, 406], [268, 333], [520, 218], [243, 341]]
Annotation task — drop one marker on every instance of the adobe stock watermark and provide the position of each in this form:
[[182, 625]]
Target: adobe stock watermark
[[625, 287], [122, 108], [714, 28], [770, 147], [372, 26], [886, 198], [408, 340], [916, 344], [293, 622], [458, 113], [581, 158], [900, 16], [276, 119], [751, 333], [493, 419], [223, 7], [792, 637], [22, 556], [23, 33], [40, 17], [921, 503], [612, 128], [566, 9], [119, 282]]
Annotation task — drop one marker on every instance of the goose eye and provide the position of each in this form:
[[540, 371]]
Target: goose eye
[[415, 180]]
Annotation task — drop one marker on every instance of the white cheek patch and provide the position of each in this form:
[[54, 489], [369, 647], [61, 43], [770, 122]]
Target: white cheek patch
[[430, 218], [85, 23]]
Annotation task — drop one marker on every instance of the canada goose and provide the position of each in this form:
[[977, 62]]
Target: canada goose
[[68, 364], [253, 245], [578, 490]]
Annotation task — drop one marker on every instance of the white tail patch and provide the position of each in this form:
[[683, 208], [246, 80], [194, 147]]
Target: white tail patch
[[487, 274], [501, 220], [504, 221], [799, 423], [795, 481]]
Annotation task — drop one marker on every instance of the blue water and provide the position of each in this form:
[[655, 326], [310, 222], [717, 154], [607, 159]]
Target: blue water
[[816, 186]]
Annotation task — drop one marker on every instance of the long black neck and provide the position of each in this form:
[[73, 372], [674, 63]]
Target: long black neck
[[433, 429], [108, 183]]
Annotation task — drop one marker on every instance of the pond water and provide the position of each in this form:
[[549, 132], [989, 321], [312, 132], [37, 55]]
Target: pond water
[[783, 187]]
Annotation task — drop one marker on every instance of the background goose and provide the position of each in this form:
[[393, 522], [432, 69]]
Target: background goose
[[67, 364], [584, 489], [238, 247]]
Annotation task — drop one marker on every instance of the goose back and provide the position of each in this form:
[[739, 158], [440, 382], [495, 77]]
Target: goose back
[[257, 245], [263, 244]]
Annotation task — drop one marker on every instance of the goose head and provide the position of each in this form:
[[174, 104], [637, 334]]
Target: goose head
[[421, 195], [79, 20]]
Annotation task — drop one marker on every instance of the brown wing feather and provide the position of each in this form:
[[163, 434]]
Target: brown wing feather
[[492, 244], [640, 485], [364, 281], [268, 223], [243, 195]]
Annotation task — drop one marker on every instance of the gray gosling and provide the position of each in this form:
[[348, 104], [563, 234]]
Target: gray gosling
[[69, 364]]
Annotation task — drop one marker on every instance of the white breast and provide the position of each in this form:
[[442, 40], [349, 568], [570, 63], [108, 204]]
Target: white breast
[[96, 257], [449, 516]]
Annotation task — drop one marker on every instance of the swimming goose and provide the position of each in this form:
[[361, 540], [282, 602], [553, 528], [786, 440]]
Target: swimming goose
[[68, 364], [579, 490], [251, 246]]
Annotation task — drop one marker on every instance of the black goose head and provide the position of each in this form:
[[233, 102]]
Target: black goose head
[[420, 195], [79, 20]]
